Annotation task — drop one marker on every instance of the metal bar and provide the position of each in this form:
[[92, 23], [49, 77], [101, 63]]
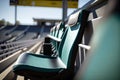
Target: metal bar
[[64, 6], [16, 14], [84, 46]]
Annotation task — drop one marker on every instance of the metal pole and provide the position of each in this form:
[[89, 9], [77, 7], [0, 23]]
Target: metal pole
[[64, 7], [16, 14]]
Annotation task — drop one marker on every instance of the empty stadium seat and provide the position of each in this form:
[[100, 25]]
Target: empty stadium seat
[[9, 48], [103, 59], [52, 41], [102, 62], [35, 66]]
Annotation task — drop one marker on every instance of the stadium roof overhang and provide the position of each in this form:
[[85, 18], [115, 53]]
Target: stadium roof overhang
[[44, 3]]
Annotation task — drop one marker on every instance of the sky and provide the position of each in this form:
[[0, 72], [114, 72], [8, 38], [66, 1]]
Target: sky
[[25, 14]]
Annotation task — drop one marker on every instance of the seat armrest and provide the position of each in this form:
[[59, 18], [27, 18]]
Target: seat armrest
[[84, 46], [54, 38]]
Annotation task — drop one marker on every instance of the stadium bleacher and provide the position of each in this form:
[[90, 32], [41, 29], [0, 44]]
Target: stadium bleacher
[[64, 64], [80, 49], [16, 39], [20, 32], [3, 36]]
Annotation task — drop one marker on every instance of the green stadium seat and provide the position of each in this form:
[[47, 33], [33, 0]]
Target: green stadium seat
[[58, 34], [102, 62], [35, 66], [52, 41]]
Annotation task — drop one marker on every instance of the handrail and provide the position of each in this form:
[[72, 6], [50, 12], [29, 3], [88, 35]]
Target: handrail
[[54, 38], [84, 46], [95, 3]]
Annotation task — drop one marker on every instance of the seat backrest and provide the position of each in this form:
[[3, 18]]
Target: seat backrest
[[53, 31], [60, 30], [57, 30], [102, 61], [68, 46], [59, 33]]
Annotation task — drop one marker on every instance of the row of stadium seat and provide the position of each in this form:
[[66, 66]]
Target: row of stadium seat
[[52, 41], [56, 67], [3, 32], [102, 56], [6, 35], [21, 34], [18, 33], [9, 48], [61, 67]]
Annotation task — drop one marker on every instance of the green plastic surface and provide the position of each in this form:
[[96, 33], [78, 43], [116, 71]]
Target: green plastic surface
[[103, 61]]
